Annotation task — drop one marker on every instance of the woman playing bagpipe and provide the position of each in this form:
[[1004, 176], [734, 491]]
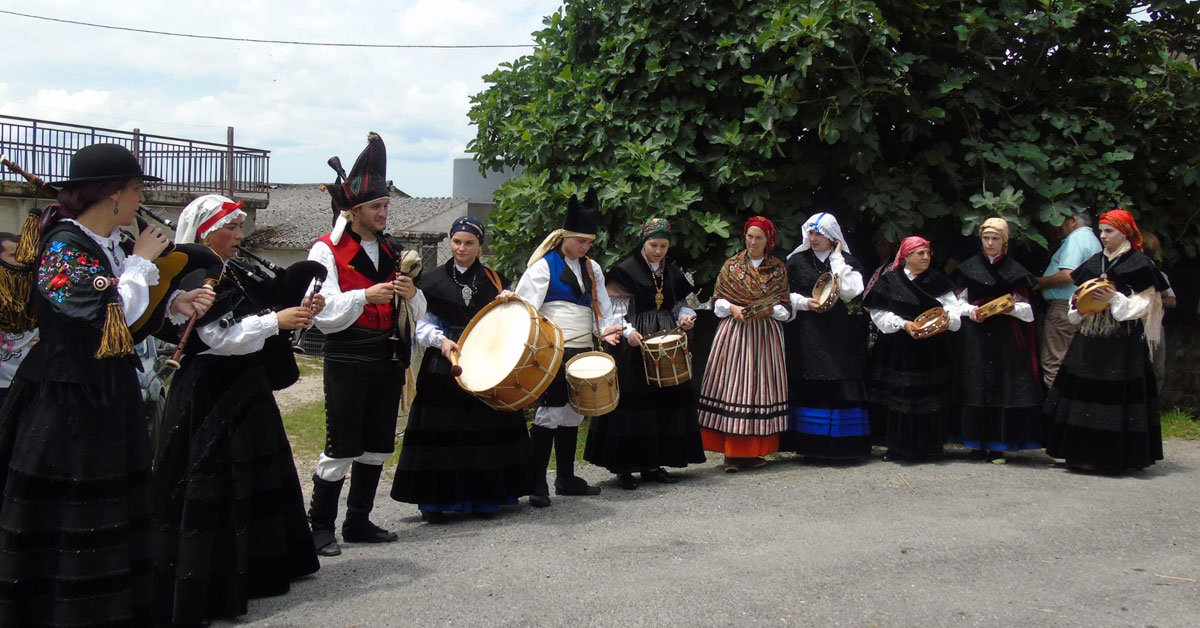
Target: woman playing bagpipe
[[910, 367], [229, 520], [459, 455], [651, 427], [1103, 407], [997, 391], [75, 538], [743, 399], [826, 347]]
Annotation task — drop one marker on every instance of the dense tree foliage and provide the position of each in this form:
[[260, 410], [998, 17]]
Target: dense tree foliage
[[910, 116]]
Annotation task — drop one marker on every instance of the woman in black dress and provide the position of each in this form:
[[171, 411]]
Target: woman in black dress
[[459, 455], [910, 376], [75, 538], [1103, 408], [996, 387], [826, 350], [651, 427], [229, 520]]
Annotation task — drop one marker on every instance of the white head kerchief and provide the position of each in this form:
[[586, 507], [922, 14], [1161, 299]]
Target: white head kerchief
[[825, 224], [207, 214]]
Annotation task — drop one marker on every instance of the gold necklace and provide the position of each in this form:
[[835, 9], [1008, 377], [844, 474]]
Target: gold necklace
[[659, 279]]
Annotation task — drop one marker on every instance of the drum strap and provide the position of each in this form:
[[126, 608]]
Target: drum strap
[[493, 277]]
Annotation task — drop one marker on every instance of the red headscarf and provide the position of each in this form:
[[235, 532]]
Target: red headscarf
[[908, 246], [1123, 221], [762, 223]]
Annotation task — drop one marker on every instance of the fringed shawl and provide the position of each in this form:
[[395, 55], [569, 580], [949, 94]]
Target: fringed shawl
[[741, 283]]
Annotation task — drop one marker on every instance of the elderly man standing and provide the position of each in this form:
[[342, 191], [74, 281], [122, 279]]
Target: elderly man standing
[[1079, 244]]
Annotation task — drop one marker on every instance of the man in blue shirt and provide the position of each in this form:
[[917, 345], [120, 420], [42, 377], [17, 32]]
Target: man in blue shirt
[[1079, 244]]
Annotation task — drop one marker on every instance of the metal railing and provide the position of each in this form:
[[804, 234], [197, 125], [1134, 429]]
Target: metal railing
[[45, 148]]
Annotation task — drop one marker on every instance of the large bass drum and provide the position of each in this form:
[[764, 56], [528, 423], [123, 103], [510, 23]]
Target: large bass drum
[[509, 354]]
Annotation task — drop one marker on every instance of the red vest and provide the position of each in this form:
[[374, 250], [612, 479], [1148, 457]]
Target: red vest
[[381, 316]]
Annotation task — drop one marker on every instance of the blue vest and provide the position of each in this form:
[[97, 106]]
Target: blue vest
[[563, 285]]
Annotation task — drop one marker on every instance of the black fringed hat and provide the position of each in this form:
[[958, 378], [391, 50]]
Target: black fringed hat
[[366, 182], [582, 219]]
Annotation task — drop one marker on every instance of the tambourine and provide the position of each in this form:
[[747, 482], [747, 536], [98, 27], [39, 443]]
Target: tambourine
[[825, 291], [1085, 299], [995, 307], [930, 323], [758, 306]]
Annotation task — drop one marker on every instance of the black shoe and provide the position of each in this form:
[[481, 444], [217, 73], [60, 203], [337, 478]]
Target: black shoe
[[888, 456], [627, 481], [541, 441], [364, 531], [539, 501], [433, 516], [659, 475], [574, 485], [326, 543]]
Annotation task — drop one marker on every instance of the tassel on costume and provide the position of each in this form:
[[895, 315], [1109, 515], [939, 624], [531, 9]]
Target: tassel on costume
[[31, 239], [116, 342]]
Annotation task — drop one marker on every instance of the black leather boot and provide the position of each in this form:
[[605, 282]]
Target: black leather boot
[[322, 515], [364, 480], [565, 480], [541, 441]]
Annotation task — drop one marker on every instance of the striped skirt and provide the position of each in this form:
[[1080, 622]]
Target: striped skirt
[[745, 384]]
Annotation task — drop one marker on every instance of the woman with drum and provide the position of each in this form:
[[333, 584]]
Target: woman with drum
[[909, 384], [654, 424], [743, 399], [1103, 407], [459, 455], [826, 347], [996, 387]]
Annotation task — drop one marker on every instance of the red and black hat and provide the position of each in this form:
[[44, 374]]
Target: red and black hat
[[367, 180]]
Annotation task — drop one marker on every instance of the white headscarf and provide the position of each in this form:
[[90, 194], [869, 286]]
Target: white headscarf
[[825, 224], [204, 216]]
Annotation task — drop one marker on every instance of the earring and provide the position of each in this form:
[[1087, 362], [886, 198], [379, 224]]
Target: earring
[[115, 208]]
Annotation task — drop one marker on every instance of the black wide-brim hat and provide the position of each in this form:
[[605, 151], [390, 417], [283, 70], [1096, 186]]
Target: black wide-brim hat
[[103, 162]]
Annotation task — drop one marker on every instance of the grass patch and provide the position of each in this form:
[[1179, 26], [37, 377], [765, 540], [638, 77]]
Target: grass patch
[[309, 365], [305, 428], [1180, 423]]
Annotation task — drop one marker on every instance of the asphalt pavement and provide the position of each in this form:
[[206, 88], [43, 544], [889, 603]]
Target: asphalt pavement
[[954, 542]]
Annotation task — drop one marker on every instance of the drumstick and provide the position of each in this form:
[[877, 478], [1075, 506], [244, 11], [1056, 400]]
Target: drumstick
[[455, 369]]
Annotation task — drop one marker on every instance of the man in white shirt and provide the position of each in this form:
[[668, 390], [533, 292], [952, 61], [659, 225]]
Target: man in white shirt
[[367, 322], [556, 284]]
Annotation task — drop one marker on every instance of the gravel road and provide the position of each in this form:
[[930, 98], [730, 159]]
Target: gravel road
[[949, 543]]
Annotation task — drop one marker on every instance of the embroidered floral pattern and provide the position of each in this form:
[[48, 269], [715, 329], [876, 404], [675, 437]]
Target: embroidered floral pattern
[[64, 266]]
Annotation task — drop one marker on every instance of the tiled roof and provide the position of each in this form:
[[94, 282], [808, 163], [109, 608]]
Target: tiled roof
[[300, 213]]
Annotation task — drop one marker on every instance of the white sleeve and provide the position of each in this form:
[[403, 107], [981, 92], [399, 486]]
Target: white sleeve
[[721, 308], [887, 322], [1022, 311], [799, 302], [428, 334], [534, 284], [1127, 308], [242, 338], [682, 311], [606, 308], [620, 307], [851, 280], [965, 307], [417, 306], [1073, 315], [341, 308], [954, 308], [137, 275], [781, 313], [173, 317]]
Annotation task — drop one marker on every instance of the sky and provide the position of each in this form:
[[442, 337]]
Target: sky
[[302, 103]]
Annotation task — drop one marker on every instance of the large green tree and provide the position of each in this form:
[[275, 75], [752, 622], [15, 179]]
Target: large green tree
[[913, 116]]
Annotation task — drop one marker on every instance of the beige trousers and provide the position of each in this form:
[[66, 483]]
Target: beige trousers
[[1057, 333]]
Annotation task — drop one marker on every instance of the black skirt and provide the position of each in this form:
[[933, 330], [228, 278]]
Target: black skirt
[[458, 453], [75, 517], [997, 392], [909, 389], [1103, 409], [651, 427], [229, 520]]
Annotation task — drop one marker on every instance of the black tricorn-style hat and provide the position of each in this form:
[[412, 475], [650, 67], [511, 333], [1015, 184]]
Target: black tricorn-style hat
[[367, 180], [103, 162], [582, 218]]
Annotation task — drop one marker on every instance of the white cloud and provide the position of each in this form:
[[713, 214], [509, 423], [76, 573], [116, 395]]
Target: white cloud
[[302, 103]]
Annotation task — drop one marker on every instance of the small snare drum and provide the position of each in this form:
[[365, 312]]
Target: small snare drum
[[668, 361], [592, 383]]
